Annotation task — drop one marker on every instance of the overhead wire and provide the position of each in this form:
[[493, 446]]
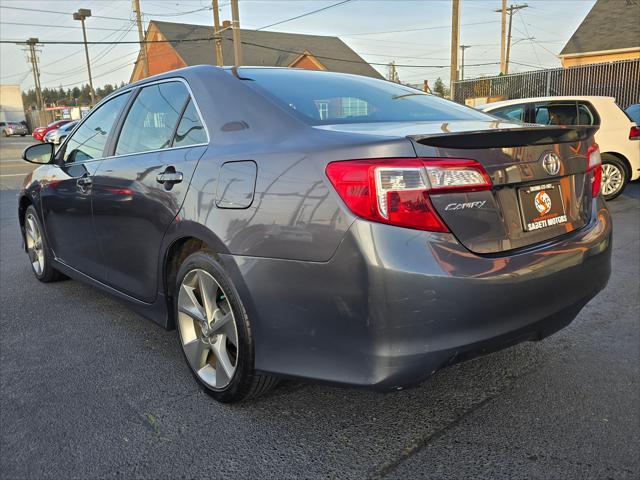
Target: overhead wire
[[304, 14]]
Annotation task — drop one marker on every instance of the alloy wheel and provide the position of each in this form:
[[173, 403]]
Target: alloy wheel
[[34, 244], [208, 331], [612, 179]]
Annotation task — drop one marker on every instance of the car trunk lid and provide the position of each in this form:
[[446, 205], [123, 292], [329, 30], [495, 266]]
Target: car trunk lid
[[541, 187]]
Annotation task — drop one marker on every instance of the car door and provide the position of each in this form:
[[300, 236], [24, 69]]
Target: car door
[[65, 197], [139, 190]]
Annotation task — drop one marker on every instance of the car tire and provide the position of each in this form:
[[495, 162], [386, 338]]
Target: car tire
[[614, 176], [38, 249], [209, 314], [23, 135]]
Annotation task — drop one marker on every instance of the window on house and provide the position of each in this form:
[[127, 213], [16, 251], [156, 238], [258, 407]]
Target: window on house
[[323, 109]]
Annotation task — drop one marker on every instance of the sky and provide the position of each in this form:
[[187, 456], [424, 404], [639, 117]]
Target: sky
[[416, 34]]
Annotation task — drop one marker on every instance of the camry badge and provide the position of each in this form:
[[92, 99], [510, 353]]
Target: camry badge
[[551, 163]]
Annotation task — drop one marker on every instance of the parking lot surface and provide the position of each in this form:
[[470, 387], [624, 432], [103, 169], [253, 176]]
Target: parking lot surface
[[88, 389]]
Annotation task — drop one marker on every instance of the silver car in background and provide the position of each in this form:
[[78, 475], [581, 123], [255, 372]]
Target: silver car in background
[[59, 134], [13, 128]]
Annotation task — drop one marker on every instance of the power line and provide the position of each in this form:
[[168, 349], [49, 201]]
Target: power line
[[211, 38], [59, 26], [178, 14], [434, 27], [56, 12], [305, 14]]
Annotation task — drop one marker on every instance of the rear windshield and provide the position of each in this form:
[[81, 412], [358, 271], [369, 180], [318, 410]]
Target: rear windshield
[[321, 98], [633, 112]]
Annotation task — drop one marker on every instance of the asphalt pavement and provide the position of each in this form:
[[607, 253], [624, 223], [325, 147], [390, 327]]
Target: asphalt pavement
[[89, 389]]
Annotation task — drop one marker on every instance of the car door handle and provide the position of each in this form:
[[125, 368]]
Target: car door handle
[[169, 177]]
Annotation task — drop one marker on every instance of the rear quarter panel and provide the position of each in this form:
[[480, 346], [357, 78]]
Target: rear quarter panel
[[295, 213], [613, 135]]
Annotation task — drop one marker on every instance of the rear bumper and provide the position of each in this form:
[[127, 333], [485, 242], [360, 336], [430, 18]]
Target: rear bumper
[[395, 305]]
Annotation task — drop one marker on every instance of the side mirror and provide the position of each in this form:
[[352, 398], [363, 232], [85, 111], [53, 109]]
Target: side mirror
[[41, 153]]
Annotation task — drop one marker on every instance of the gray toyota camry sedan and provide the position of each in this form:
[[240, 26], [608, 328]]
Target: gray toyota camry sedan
[[318, 225]]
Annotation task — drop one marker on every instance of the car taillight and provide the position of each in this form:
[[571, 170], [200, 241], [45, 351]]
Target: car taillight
[[397, 191], [595, 168], [634, 133]]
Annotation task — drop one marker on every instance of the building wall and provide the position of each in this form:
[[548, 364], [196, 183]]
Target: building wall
[[307, 63], [11, 107], [600, 58]]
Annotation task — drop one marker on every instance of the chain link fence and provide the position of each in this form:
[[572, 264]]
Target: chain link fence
[[616, 79]]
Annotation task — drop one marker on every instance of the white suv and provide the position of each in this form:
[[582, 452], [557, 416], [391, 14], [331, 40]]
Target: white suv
[[618, 137]]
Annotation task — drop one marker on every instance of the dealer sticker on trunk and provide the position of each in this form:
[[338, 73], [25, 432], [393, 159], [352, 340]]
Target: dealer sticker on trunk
[[542, 206]]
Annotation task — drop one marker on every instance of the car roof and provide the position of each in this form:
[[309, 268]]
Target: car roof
[[517, 101]]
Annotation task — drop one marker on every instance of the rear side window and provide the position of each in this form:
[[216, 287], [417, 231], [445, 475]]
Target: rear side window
[[586, 115], [89, 140], [513, 113], [319, 98], [556, 113], [190, 129], [152, 118]]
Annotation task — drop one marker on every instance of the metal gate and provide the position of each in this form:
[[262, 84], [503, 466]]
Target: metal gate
[[616, 79]]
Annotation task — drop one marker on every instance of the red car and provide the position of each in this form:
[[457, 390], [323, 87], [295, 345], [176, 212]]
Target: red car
[[40, 132]]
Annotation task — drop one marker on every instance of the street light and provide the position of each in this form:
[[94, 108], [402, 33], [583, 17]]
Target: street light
[[81, 15]]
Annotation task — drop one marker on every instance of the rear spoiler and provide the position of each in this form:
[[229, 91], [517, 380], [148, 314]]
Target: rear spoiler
[[506, 137]]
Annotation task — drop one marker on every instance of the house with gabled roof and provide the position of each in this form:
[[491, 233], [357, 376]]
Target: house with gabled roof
[[181, 45], [610, 32]]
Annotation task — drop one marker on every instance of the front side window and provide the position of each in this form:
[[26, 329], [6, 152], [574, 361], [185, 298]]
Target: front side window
[[320, 98], [152, 119], [514, 113], [89, 140], [190, 130]]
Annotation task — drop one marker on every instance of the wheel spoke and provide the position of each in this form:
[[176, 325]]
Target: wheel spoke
[[208, 291], [196, 352], [223, 323], [188, 303], [224, 367]]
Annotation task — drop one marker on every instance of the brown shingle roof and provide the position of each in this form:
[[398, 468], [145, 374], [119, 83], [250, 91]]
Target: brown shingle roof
[[610, 25], [259, 48]]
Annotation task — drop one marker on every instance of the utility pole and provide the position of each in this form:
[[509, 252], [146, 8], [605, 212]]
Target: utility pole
[[235, 24], [135, 4], [462, 49], [503, 33], [81, 15], [455, 41], [504, 56], [392, 73], [33, 59], [216, 33]]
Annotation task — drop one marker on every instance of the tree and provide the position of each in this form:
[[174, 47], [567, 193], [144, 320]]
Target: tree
[[76, 96], [439, 88]]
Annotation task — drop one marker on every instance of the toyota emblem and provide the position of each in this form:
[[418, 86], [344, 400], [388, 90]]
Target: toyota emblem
[[551, 163]]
